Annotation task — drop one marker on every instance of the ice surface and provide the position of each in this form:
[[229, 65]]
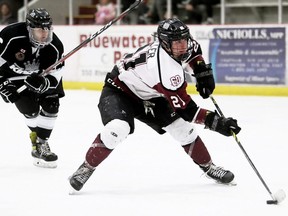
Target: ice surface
[[147, 174]]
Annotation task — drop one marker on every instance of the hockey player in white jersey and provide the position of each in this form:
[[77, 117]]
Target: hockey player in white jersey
[[149, 85]]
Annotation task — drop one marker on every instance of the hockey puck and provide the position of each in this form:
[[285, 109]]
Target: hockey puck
[[269, 202]]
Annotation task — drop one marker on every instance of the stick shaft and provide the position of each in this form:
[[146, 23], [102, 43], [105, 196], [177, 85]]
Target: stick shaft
[[85, 42], [243, 150], [93, 36]]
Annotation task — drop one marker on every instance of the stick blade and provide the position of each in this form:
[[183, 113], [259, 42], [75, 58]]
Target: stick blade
[[272, 202]]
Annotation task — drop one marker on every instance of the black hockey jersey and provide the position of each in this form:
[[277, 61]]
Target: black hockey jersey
[[19, 58]]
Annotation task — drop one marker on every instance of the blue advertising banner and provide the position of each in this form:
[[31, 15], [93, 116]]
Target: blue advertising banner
[[248, 55]]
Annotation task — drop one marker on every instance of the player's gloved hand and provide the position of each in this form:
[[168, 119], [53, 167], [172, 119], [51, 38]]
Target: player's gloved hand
[[9, 92], [205, 83], [37, 83], [221, 125]]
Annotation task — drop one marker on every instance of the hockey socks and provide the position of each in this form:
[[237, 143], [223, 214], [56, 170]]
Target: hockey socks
[[97, 152], [198, 151]]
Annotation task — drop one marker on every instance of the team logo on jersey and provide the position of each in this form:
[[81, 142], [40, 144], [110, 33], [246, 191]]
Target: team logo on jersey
[[175, 80], [32, 67], [20, 56]]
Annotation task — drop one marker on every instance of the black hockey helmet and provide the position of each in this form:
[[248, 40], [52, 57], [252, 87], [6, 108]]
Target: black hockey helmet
[[37, 21], [170, 30], [38, 18]]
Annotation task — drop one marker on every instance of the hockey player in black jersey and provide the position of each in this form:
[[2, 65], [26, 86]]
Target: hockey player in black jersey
[[149, 85], [26, 49]]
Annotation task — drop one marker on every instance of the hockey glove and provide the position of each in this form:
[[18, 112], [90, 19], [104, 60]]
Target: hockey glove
[[221, 125], [9, 92], [37, 83], [205, 83]]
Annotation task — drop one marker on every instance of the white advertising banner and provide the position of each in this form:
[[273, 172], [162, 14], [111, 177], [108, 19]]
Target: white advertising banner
[[92, 62], [239, 55]]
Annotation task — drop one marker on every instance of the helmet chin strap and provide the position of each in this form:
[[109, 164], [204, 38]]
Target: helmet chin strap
[[180, 57]]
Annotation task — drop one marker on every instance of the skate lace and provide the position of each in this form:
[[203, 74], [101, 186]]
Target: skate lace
[[44, 149], [217, 172], [83, 174]]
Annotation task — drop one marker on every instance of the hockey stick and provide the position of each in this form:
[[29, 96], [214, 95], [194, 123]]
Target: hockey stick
[[277, 197], [127, 11]]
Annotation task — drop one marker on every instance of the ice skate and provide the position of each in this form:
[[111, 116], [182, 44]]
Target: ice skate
[[79, 178], [219, 174], [41, 153]]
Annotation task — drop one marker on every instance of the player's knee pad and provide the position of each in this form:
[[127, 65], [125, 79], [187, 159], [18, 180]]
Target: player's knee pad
[[31, 115], [182, 131], [50, 104], [114, 132], [31, 119]]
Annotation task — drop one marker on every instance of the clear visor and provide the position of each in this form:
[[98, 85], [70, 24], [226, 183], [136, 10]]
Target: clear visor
[[181, 49], [40, 37]]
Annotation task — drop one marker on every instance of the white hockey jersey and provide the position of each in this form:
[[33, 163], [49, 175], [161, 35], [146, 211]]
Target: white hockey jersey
[[151, 72]]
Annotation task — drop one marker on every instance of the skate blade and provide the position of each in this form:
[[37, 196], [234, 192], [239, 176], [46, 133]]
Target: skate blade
[[71, 190], [44, 164], [232, 183]]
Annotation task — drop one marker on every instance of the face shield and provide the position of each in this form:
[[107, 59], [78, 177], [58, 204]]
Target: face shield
[[181, 49], [40, 37]]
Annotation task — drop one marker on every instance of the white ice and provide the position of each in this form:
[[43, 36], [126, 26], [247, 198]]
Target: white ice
[[148, 174]]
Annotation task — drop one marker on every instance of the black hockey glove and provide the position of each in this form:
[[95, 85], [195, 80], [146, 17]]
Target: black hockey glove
[[9, 92], [221, 125], [37, 83], [205, 83]]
